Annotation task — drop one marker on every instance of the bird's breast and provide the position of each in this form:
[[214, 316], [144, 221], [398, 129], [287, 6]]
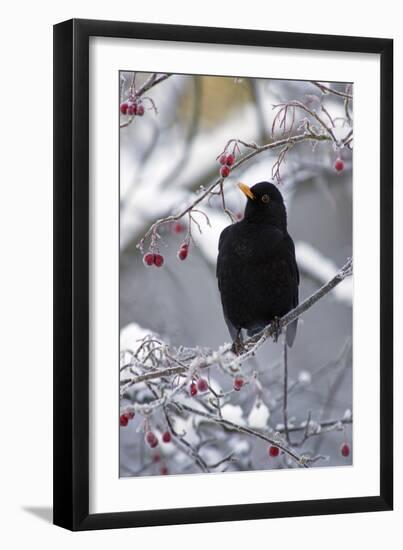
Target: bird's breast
[[255, 285]]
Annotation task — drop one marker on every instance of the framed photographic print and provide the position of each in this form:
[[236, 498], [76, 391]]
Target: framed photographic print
[[223, 264]]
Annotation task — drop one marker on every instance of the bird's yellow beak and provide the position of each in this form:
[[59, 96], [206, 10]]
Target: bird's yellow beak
[[246, 190]]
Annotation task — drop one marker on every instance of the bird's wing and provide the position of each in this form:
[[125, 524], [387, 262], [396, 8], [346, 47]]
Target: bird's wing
[[224, 234], [219, 272]]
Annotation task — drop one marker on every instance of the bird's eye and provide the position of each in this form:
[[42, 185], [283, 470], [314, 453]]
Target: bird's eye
[[265, 198]]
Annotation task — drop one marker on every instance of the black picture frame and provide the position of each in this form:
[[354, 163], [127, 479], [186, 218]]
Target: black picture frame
[[71, 274]]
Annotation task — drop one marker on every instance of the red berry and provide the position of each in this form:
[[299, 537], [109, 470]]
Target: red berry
[[148, 259], [178, 227], [225, 171], [183, 253], [223, 159], [166, 437], [239, 216], [202, 384], [274, 451], [140, 110], [238, 383], [156, 457], [339, 165], [164, 470], [124, 420], [230, 160], [158, 260], [193, 389], [151, 439], [131, 414], [132, 109], [345, 449], [123, 108]]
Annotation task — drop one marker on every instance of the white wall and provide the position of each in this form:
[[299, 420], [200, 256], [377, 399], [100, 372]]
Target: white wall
[[25, 274]]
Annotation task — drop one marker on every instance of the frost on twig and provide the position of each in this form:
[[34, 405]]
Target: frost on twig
[[156, 376], [317, 125], [191, 399]]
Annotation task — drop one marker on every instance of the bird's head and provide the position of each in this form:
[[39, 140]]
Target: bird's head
[[264, 204]]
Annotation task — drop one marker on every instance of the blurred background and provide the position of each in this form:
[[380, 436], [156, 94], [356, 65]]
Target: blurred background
[[166, 159]]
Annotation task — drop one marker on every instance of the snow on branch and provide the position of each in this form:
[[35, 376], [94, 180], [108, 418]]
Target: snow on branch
[[168, 372], [175, 389]]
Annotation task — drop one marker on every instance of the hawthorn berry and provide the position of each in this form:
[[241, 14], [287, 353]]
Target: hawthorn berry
[[193, 389], [202, 384], [123, 107], [166, 437], [230, 160], [151, 439], [339, 165], [239, 216], [132, 109], [156, 457], [345, 450], [140, 110], [274, 451], [124, 420], [223, 159], [164, 470], [238, 383], [183, 251], [148, 259], [158, 260], [225, 171]]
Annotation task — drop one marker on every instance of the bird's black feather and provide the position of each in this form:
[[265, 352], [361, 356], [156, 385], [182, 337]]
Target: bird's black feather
[[257, 271]]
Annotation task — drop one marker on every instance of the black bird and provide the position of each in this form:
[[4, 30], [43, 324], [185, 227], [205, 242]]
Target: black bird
[[257, 271]]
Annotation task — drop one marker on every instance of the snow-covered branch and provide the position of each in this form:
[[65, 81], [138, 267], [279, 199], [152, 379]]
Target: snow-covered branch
[[209, 407]]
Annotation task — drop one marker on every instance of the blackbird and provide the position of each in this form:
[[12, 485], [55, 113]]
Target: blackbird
[[257, 271]]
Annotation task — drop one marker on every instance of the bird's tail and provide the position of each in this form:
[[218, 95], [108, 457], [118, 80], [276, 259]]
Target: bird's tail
[[291, 332]]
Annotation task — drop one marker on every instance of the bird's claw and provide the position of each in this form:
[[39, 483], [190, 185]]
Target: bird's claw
[[237, 346]]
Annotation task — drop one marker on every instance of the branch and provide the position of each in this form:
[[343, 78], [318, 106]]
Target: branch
[[251, 345], [189, 450], [285, 391], [256, 149], [327, 90], [313, 114], [152, 81], [272, 329], [301, 460], [328, 424], [165, 380]]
